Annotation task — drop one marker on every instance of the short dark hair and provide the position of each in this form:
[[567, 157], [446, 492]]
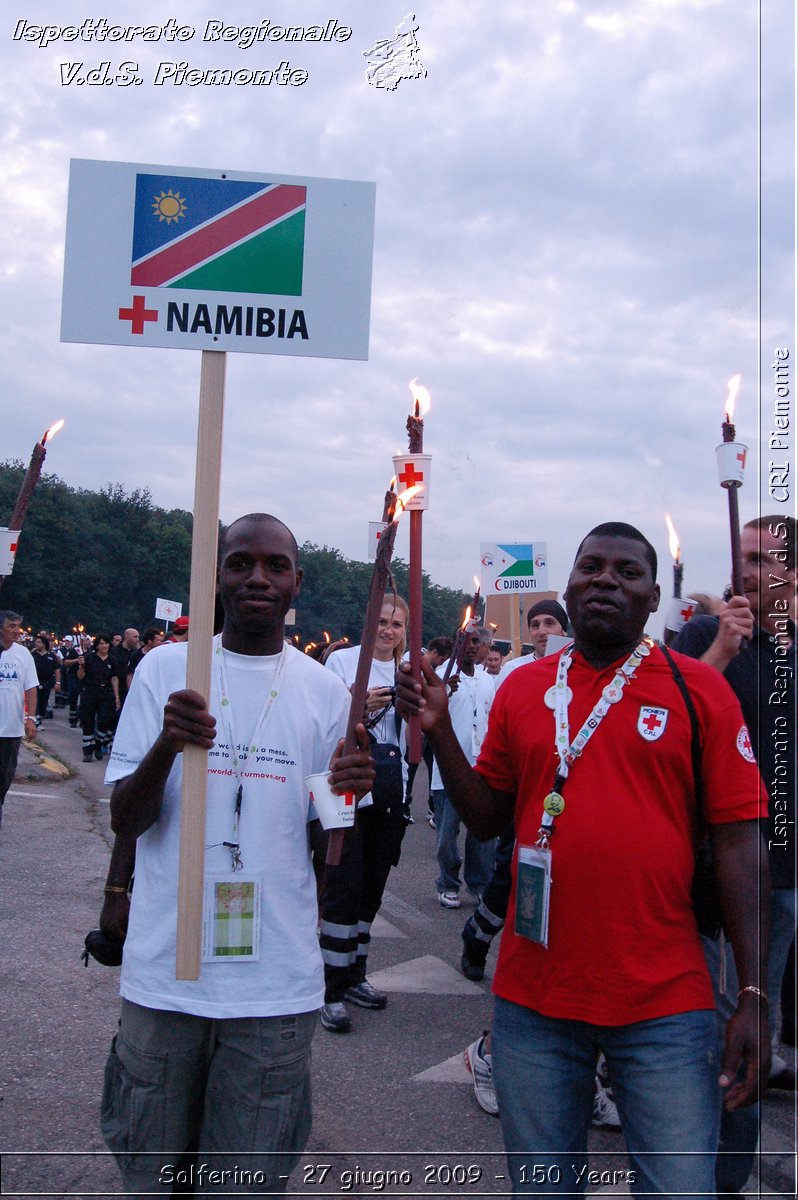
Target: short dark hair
[[619, 529], [43, 638], [441, 645], [149, 635], [789, 533], [257, 518]]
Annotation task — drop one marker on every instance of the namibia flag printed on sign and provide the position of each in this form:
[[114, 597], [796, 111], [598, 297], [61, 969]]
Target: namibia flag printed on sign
[[220, 235]]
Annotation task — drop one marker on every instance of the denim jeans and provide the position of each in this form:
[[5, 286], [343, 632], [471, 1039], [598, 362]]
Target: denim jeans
[[665, 1081], [479, 856]]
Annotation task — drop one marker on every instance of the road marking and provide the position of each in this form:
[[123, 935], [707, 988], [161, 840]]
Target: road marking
[[451, 1070], [34, 795], [382, 928], [427, 974]]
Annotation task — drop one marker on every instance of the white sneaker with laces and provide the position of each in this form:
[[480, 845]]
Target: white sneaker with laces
[[480, 1065], [605, 1114], [448, 899]]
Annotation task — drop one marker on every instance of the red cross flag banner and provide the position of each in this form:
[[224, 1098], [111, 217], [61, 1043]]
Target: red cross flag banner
[[186, 258]]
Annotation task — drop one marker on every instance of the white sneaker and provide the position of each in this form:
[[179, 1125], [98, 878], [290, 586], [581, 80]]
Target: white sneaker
[[605, 1114], [481, 1067], [448, 899]]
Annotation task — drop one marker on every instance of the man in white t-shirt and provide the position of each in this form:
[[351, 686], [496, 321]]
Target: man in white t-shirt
[[18, 687], [469, 706], [220, 1065]]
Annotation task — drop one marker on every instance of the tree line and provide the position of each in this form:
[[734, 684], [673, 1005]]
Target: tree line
[[101, 558]]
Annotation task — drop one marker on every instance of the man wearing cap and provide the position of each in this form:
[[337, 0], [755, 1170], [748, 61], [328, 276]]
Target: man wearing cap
[[544, 618], [601, 950], [18, 690], [179, 630]]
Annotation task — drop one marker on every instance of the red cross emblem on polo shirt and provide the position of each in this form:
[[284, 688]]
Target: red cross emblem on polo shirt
[[410, 477], [138, 314], [744, 744], [651, 722]]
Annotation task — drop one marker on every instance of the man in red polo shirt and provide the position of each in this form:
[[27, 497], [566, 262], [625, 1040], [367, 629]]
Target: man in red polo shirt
[[590, 752]]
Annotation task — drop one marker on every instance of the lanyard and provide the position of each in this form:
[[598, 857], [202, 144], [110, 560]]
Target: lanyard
[[240, 759], [568, 751]]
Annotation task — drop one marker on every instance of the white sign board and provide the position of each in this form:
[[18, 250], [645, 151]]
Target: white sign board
[[8, 550], [167, 610], [513, 567], [196, 259]]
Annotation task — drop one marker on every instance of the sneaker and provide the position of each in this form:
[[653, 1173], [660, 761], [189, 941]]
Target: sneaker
[[480, 1066], [448, 899], [431, 822], [472, 964], [98, 753], [365, 995], [605, 1114], [335, 1018], [87, 757]]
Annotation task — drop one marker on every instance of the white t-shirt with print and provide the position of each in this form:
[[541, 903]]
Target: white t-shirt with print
[[17, 675], [306, 720]]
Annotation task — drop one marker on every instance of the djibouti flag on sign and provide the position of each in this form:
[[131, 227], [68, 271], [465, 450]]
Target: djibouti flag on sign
[[220, 235]]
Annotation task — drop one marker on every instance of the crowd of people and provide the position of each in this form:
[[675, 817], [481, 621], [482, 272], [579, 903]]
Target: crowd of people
[[588, 773]]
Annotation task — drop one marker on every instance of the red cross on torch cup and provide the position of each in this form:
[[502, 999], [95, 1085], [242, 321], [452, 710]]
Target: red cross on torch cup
[[731, 469], [379, 581]]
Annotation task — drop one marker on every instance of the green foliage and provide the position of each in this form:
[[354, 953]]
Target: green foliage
[[102, 558]]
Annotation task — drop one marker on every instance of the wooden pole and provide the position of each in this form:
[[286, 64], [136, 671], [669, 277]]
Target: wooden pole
[[515, 626], [191, 875], [415, 604]]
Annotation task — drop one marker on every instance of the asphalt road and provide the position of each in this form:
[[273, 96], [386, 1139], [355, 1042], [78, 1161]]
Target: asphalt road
[[393, 1095]]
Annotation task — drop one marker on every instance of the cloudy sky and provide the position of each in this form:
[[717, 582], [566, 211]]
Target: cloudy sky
[[567, 254]]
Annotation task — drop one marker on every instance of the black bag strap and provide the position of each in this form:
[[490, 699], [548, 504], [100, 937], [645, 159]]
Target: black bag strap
[[695, 736]]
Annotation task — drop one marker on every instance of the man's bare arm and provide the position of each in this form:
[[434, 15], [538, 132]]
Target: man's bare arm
[[485, 811], [136, 800], [743, 878]]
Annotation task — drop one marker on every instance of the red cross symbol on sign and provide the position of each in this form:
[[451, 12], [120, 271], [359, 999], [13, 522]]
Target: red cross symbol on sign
[[741, 458], [409, 478], [138, 314], [651, 722]]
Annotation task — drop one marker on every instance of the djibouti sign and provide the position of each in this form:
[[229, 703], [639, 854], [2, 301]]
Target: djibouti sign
[[513, 567], [194, 259]]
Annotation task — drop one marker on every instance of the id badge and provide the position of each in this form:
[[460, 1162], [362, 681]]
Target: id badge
[[532, 893], [231, 919]]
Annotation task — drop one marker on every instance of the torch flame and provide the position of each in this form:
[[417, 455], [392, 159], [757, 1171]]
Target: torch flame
[[466, 618], [673, 538], [421, 398], [326, 636], [476, 584], [734, 387], [403, 499], [52, 431]]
